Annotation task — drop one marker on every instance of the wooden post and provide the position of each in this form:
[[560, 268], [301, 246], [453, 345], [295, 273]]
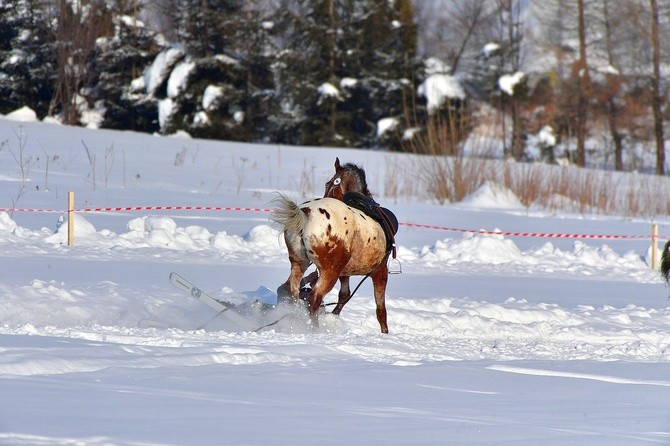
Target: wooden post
[[70, 218], [654, 246]]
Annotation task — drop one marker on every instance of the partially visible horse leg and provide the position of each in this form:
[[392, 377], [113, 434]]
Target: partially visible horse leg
[[379, 280], [299, 264], [343, 296], [326, 282]]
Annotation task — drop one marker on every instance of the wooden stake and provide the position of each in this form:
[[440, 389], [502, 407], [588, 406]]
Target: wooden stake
[[70, 218], [654, 246]]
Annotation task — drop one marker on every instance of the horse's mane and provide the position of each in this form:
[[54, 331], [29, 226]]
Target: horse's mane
[[359, 173]]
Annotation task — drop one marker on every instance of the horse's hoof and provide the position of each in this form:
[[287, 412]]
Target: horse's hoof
[[283, 294]]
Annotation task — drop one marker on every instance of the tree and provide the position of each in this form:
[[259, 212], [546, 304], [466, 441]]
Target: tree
[[206, 27], [581, 73], [657, 100], [79, 24], [224, 87], [27, 56], [509, 16], [612, 86], [343, 67], [116, 61], [565, 36]]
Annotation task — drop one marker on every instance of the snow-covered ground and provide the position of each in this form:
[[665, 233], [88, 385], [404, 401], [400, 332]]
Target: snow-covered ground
[[493, 339]]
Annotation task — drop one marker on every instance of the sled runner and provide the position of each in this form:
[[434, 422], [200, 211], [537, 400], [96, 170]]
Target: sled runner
[[262, 297], [261, 301]]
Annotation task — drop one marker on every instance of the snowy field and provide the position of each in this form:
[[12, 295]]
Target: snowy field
[[493, 339]]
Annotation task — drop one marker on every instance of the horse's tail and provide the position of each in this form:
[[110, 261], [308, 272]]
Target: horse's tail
[[287, 214], [665, 262]]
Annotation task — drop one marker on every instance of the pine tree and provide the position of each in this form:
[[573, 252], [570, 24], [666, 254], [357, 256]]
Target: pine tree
[[117, 60], [228, 91], [206, 28], [346, 67], [27, 56]]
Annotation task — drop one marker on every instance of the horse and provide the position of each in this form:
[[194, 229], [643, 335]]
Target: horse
[[339, 239]]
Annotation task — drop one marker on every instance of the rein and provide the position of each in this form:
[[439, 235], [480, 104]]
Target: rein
[[384, 260]]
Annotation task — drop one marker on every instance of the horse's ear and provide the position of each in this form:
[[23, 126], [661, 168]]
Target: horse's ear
[[337, 164]]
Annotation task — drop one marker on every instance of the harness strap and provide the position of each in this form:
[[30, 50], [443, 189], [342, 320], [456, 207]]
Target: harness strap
[[387, 226], [384, 260]]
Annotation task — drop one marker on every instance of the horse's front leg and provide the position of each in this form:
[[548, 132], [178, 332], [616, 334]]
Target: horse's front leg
[[343, 296], [326, 282], [379, 280]]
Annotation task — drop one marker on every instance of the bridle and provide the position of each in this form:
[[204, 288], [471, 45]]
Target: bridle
[[332, 185]]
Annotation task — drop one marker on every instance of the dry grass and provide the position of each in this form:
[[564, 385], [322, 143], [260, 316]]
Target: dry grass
[[450, 178]]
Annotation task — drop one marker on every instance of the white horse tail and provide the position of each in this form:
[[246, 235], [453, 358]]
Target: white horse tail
[[287, 214]]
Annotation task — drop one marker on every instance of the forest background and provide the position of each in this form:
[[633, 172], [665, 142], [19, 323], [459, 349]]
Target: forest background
[[581, 82]]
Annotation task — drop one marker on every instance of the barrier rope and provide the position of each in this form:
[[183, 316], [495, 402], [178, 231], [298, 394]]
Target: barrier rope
[[531, 234], [408, 224], [140, 208]]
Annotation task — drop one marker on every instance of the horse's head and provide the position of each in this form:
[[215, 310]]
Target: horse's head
[[347, 178]]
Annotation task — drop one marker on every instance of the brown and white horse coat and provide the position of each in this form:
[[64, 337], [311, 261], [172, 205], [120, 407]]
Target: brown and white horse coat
[[341, 241]]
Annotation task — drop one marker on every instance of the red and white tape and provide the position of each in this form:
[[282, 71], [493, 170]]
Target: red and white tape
[[531, 234], [411, 225], [173, 208], [140, 208]]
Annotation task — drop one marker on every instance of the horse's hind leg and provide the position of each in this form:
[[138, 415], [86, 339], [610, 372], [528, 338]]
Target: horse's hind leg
[[343, 296], [299, 264], [379, 280], [291, 288]]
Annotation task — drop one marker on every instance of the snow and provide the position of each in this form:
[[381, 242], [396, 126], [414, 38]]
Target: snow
[[238, 116], [201, 119], [609, 69], [211, 94], [165, 108], [178, 78], [91, 118], [494, 339], [160, 69], [434, 65], [386, 125], [131, 21], [547, 137], [348, 82], [328, 90], [439, 86], [409, 133], [491, 195], [490, 48], [23, 114], [508, 82]]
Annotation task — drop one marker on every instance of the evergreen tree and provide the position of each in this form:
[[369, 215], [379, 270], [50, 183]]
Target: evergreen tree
[[225, 84], [206, 28], [117, 60], [27, 56], [346, 65]]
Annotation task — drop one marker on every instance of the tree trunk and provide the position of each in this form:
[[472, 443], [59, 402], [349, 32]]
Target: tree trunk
[[584, 83], [656, 93], [612, 87], [332, 33]]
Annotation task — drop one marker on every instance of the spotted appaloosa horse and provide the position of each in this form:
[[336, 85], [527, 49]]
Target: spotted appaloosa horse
[[340, 240]]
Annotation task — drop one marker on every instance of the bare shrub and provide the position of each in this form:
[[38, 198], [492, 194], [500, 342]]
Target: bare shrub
[[307, 179], [23, 161], [449, 179], [527, 182]]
